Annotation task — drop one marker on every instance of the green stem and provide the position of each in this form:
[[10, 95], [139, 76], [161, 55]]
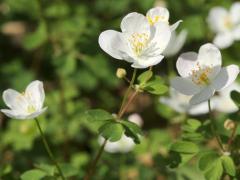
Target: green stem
[[48, 149], [213, 126], [120, 113], [128, 91]]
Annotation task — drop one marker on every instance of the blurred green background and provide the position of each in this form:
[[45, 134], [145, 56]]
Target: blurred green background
[[57, 42]]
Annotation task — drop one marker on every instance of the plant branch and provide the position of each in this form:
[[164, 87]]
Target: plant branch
[[213, 127], [123, 108]]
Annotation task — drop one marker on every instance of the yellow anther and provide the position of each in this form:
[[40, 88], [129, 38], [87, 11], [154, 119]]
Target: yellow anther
[[138, 42], [200, 76]]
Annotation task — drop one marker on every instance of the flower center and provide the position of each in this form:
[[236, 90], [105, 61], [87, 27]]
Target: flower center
[[138, 42], [155, 19], [200, 76], [228, 23], [31, 109]]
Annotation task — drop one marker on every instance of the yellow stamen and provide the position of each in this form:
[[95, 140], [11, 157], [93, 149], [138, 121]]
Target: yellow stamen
[[200, 76], [138, 42]]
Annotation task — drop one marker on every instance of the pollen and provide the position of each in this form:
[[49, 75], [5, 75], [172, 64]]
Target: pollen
[[155, 19], [138, 42], [200, 76]]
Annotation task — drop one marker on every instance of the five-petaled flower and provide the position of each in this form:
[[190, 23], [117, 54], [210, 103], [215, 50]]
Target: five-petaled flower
[[225, 24], [26, 105], [141, 42], [202, 74]]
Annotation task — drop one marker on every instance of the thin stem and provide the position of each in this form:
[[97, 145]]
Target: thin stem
[[94, 163], [48, 149], [121, 112], [128, 91], [213, 126]]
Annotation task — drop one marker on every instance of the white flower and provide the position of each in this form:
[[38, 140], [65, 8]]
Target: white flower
[[176, 43], [222, 102], [160, 14], [180, 103], [139, 42], [125, 144], [202, 74], [26, 105], [226, 25]]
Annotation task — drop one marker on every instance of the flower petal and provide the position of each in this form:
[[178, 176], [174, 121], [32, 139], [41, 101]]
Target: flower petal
[[158, 14], [202, 96], [176, 43], [161, 37], [113, 43], [198, 109], [14, 100], [13, 114], [174, 26], [147, 62], [186, 63], [226, 76], [216, 19], [184, 86], [36, 114], [35, 94], [135, 23], [236, 33], [209, 55], [235, 12], [223, 40]]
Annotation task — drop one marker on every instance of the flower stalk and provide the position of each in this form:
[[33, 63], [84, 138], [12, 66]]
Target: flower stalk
[[49, 150], [213, 127], [124, 105]]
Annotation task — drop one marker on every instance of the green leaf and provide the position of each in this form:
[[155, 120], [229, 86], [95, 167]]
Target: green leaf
[[132, 130], [215, 172], [33, 174], [228, 165], [68, 170], [145, 77], [155, 86], [112, 131], [37, 38], [235, 95], [207, 160], [97, 115], [184, 147]]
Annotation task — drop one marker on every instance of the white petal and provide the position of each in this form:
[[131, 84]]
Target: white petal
[[35, 94], [14, 100], [223, 40], [36, 114], [158, 14], [186, 63], [236, 33], [14, 114], [176, 43], [216, 19], [161, 37], [235, 12], [209, 55], [135, 23], [226, 76], [113, 43], [149, 61], [175, 25], [199, 109], [184, 86], [202, 96]]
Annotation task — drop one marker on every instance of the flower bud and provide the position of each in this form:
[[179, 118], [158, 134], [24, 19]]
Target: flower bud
[[121, 73], [229, 124]]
